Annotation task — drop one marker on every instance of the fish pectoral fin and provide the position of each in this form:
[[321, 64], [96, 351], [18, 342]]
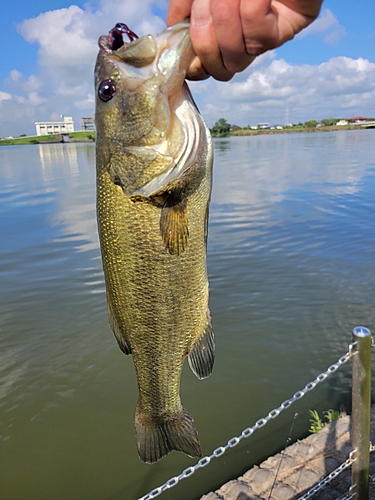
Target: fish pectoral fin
[[202, 356], [174, 226], [124, 345], [156, 437]]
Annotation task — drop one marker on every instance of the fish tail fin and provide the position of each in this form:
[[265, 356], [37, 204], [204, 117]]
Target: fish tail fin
[[156, 437]]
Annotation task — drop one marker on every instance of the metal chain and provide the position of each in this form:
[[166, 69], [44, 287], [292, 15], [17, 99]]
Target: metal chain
[[328, 478], [218, 452], [317, 487], [349, 495]]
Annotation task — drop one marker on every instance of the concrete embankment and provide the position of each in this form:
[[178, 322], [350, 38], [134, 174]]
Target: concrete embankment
[[289, 474]]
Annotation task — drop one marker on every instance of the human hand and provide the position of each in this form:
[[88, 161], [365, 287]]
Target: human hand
[[227, 35]]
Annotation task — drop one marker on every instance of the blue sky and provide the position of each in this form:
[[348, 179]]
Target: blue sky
[[49, 50]]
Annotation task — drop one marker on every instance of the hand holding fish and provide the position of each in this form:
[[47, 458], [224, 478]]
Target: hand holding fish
[[227, 35]]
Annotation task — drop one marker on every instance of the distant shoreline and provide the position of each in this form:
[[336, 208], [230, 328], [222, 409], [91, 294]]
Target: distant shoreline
[[89, 136], [289, 130]]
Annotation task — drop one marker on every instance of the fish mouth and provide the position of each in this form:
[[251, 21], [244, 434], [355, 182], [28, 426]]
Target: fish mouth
[[165, 56]]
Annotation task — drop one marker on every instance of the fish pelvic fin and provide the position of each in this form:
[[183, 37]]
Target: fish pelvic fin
[[156, 437], [201, 358], [174, 226]]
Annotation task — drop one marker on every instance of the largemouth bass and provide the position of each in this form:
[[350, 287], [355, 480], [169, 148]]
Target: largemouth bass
[[154, 165]]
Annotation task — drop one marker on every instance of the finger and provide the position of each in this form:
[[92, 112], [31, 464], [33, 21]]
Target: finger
[[204, 41], [309, 9], [178, 10], [294, 15], [259, 25], [196, 71], [228, 31]]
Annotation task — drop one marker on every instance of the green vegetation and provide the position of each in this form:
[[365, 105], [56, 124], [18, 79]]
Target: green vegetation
[[221, 128], [311, 123], [83, 135], [317, 423], [30, 140], [328, 122], [45, 139]]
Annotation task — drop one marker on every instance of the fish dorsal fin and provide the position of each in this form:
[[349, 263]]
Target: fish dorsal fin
[[202, 356]]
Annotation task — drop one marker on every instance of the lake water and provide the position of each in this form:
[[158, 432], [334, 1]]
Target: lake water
[[291, 258]]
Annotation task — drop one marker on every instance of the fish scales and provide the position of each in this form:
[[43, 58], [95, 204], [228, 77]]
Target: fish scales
[[154, 253]]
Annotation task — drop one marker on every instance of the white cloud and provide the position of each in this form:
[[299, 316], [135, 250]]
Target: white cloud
[[15, 77], [270, 87], [5, 96], [86, 104], [68, 37], [327, 25], [339, 87], [67, 42]]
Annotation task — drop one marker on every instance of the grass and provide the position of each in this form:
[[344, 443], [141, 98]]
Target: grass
[[317, 423], [288, 130], [83, 135], [45, 139]]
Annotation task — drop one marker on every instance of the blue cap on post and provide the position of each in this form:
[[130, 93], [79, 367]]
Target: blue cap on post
[[361, 331]]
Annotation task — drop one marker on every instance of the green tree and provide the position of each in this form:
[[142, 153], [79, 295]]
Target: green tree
[[311, 123], [221, 128], [327, 122]]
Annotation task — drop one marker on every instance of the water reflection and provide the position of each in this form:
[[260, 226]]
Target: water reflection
[[262, 168], [221, 146], [52, 155], [291, 255]]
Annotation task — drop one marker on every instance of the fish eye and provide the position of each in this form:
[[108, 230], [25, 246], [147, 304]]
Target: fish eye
[[106, 90]]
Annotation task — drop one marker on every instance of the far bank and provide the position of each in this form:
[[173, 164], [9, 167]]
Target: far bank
[[89, 136]]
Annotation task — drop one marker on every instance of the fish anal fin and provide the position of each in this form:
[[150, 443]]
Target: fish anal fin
[[156, 437], [122, 342], [174, 226], [201, 358]]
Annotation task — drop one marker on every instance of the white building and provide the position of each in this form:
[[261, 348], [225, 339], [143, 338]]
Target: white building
[[88, 124], [48, 128]]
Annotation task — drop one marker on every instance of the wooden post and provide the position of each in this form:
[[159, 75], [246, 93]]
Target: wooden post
[[361, 402]]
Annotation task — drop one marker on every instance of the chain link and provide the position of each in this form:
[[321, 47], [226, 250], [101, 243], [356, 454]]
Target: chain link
[[328, 478], [317, 487], [218, 452]]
